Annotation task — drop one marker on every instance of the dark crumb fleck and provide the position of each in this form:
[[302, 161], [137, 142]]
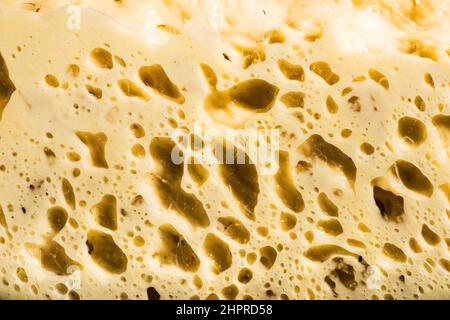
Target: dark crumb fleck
[[153, 294]]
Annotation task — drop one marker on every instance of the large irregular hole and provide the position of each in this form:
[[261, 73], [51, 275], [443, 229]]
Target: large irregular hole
[[137, 130], [105, 212], [293, 99], [394, 252], [51, 156], [323, 70], [241, 178], [209, 75], [415, 246], [230, 292], [332, 227], [57, 218], [322, 253], [138, 151], [167, 183], [176, 250], [288, 221], [419, 48], [131, 89], [96, 92], [355, 104], [428, 78], [102, 58], [285, 187], [234, 106], [105, 252], [53, 258], [69, 193], [218, 251], [291, 71], [234, 229], [22, 274], [391, 205], [367, 148], [445, 263], [327, 205], [275, 36], [379, 78], [412, 178], [252, 55], [268, 256], [316, 147], [96, 144], [198, 173], [420, 103], [332, 105], [345, 273], [412, 131], [254, 94], [431, 237], [245, 275], [156, 78]]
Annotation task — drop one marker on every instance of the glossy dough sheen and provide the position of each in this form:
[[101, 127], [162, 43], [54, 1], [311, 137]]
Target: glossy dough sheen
[[92, 206]]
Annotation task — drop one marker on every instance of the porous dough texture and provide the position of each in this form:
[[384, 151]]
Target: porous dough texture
[[92, 207]]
